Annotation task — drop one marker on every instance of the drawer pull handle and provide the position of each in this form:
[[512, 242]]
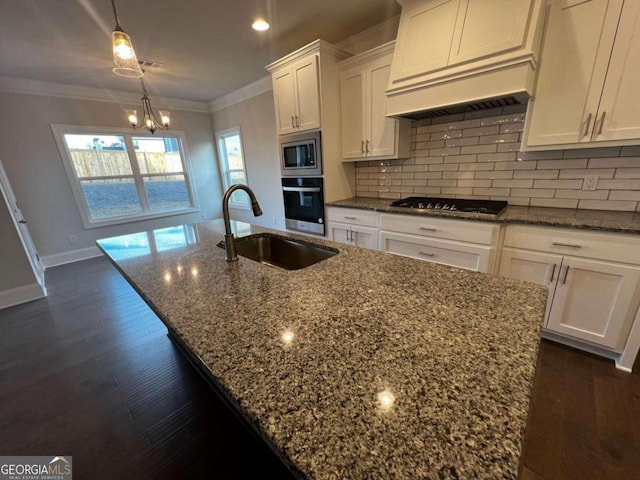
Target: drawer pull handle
[[601, 123], [569, 245], [350, 218], [427, 229], [427, 254], [566, 272], [553, 272]]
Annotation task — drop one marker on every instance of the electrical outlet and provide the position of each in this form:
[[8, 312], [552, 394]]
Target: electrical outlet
[[590, 182], [204, 216], [73, 239], [274, 220]]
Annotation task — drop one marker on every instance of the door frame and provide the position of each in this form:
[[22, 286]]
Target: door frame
[[21, 227]]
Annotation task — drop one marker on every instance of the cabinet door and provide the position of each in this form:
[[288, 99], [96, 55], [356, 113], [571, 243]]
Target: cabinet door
[[307, 90], [618, 115], [352, 92], [488, 27], [578, 40], [382, 131], [540, 268], [339, 233], [595, 301], [365, 237], [284, 97], [424, 37]]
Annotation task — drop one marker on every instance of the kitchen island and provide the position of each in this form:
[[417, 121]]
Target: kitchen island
[[365, 365]]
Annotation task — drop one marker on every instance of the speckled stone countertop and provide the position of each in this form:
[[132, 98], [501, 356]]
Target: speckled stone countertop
[[365, 365], [625, 222]]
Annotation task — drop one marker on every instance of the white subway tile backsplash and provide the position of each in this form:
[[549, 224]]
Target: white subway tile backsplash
[[513, 183], [581, 172], [562, 164], [631, 151], [615, 162], [576, 184], [476, 132], [592, 152], [633, 195], [607, 205], [619, 184], [533, 192], [476, 155], [542, 174], [627, 173], [473, 123], [583, 194], [497, 157], [492, 148], [554, 202]]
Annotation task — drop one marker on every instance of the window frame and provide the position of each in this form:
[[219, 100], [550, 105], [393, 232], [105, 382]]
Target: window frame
[[225, 171], [59, 131]]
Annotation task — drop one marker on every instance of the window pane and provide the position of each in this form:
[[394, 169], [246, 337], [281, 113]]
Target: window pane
[[158, 154], [111, 198], [234, 152], [98, 155], [167, 192]]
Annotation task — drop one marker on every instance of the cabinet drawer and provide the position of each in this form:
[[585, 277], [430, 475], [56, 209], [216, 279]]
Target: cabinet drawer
[[454, 254], [353, 216], [465, 231], [601, 246]]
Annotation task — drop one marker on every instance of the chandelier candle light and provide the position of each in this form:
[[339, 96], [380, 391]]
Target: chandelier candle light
[[149, 120], [125, 62]]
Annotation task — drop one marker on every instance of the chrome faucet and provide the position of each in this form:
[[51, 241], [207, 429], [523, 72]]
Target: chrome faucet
[[229, 241]]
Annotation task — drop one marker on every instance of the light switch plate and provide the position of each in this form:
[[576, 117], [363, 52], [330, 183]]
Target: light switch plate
[[590, 182]]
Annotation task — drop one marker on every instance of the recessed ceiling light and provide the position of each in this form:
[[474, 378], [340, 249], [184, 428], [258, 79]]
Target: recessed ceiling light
[[260, 25]]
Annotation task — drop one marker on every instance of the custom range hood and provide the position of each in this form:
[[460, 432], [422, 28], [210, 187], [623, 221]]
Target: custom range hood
[[460, 55]]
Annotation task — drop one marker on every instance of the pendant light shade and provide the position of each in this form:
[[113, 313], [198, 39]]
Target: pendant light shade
[[125, 62]]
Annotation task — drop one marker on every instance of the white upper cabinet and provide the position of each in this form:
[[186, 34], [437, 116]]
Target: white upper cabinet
[[586, 94], [488, 27], [296, 91], [366, 131], [452, 52]]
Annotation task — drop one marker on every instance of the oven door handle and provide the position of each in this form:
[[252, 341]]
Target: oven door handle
[[301, 189]]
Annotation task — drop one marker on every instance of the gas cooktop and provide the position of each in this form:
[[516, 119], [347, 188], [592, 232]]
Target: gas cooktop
[[491, 207]]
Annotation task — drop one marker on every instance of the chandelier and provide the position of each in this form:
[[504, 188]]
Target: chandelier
[[149, 120]]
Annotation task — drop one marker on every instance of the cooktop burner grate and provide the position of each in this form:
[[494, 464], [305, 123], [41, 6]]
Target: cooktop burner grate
[[490, 207]]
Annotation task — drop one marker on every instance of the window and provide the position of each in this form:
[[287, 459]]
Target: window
[[232, 164], [118, 177]]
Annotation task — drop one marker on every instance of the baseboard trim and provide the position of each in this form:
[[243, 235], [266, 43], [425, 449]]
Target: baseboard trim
[[577, 344], [70, 256], [18, 295]]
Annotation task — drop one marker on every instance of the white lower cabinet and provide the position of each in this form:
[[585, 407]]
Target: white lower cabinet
[[458, 243], [356, 235], [590, 299], [353, 227]]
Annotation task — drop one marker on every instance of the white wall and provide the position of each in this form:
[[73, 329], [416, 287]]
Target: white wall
[[15, 269], [41, 185], [256, 118]]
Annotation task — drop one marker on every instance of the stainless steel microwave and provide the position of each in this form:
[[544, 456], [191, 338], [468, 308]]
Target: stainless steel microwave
[[301, 154]]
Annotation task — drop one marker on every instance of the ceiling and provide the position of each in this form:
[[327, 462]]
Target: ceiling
[[207, 46]]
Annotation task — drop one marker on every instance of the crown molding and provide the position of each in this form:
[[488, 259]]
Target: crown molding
[[322, 47], [240, 95], [50, 89]]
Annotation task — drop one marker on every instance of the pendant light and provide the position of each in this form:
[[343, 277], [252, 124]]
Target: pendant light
[[125, 62]]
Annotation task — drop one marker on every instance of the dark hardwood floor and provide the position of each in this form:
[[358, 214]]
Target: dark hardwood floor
[[90, 372]]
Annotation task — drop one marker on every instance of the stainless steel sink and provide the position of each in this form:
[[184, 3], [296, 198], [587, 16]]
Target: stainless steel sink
[[279, 252]]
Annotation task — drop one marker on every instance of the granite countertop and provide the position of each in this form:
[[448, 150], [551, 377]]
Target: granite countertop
[[365, 365], [625, 222]]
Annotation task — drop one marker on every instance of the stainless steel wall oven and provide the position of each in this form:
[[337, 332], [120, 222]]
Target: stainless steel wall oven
[[304, 204]]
